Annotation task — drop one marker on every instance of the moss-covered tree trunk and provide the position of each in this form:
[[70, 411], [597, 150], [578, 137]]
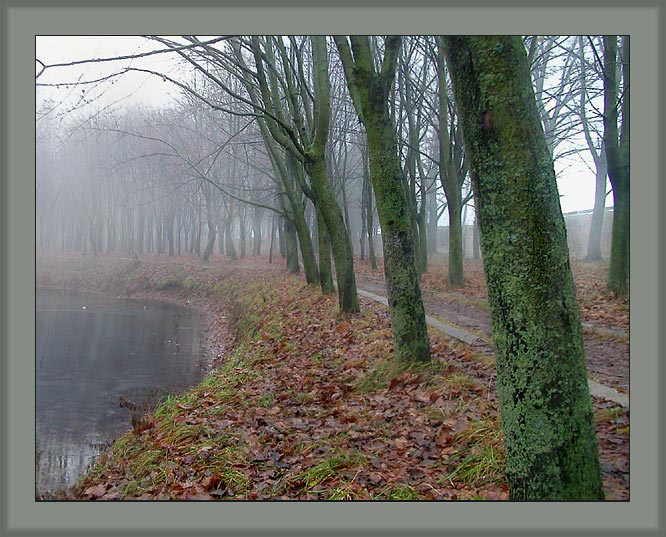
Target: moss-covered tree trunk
[[546, 411], [402, 283], [296, 210], [617, 158], [451, 182], [370, 91], [325, 271], [423, 228], [327, 205], [315, 165], [455, 259], [432, 219], [476, 248], [291, 246]]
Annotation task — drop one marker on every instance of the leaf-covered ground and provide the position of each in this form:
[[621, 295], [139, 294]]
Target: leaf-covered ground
[[596, 305], [305, 403], [605, 318]]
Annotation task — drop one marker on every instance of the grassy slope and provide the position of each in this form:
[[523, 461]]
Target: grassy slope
[[306, 404]]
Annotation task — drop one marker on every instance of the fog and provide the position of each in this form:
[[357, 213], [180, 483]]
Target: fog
[[163, 152]]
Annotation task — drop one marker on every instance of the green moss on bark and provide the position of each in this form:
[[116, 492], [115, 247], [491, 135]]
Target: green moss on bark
[[551, 448], [410, 333], [341, 247], [370, 90]]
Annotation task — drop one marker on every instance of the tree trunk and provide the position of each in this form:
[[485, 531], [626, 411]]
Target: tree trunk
[[325, 272], [291, 246], [345, 209], [431, 198], [364, 228], [270, 248], [451, 182], [404, 294], [160, 236], [370, 91], [296, 211], [455, 241], [197, 239], [169, 234], [93, 240], [475, 238], [229, 242], [336, 230], [256, 232], [210, 243], [422, 221], [282, 240], [597, 223], [369, 214], [618, 273], [242, 219], [617, 157], [327, 205], [220, 238], [551, 449], [140, 234]]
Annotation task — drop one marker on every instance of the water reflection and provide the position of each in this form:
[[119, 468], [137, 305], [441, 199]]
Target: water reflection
[[91, 351]]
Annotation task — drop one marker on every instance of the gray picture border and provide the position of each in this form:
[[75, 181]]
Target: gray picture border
[[21, 20]]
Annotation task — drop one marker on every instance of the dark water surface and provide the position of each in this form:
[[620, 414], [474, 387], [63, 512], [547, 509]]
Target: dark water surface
[[92, 350]]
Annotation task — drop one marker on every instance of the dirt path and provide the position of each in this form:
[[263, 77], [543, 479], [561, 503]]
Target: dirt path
[[606, 349]]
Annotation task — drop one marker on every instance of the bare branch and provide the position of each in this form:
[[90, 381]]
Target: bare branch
[[133, 56]]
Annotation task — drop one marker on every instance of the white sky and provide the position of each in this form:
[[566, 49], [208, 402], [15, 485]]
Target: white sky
[[575, 181], [129, 88]]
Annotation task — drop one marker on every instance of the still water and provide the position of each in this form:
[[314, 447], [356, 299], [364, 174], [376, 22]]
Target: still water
[[91, 351]]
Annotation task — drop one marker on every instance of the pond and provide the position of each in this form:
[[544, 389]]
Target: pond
[[92, 352]]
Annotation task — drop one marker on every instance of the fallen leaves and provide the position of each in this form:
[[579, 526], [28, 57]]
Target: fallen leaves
[[289, 413]]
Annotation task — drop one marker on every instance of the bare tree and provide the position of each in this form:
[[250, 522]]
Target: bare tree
[[616, 143], [370, 89]]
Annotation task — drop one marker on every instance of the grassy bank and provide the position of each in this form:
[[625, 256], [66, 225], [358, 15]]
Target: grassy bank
[[304, 403]]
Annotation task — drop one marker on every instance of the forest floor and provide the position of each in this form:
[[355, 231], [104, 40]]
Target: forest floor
[[605, 318], [304, 403]]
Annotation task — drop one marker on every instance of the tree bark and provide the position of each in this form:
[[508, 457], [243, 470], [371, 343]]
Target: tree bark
[[369, 212], [617, 158], [256, 231], [476, 250], [599, 158], [431, 198], [228, 237], [296, 211], [370, 91], [291, 246], [242, 220], [451, 182], [331, 214], [210, 219], [325, 272], [597, 222], [327, 205], [550, 443]]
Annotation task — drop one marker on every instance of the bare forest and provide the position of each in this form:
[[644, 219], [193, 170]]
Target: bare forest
[[373, 227]]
